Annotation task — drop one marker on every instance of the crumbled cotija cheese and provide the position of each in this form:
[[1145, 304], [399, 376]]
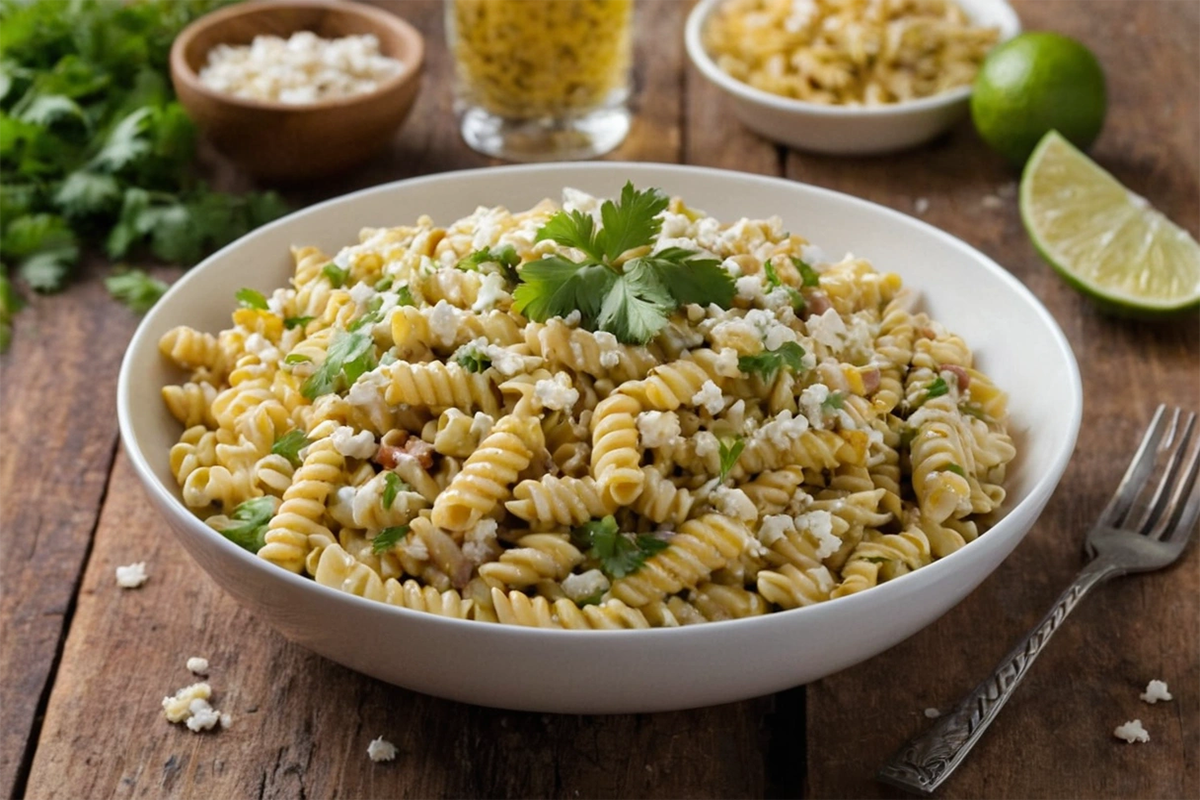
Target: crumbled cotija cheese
[[132, 576], [381, 750], [477, 547], [726, 364], [556, 393], [1132, 732], [1156, 690], [300, 70], [774, 527], [610, 351], [734, 503], [658, 428], [709, 398], [198, 665], [351, 444], [820, 524], [828, 329], [588, 584]]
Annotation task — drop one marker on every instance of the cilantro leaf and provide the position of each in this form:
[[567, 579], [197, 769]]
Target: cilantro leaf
[[729, 454], [692, 280], [876, 559], [372, 316], [619, 554], [504, 257], [631, 222], [249, 298], [392, 486], [387, 538], [252, 517], [834, 401], [470, 359], [296, 322], [135, 289], [635, 308], [49, 110], [769, 362], [45, 248], [772, 276], [336, 275], [937, 388], [86, 193], [808, 275], [383, 284], [573, 229], [554, 287], [405, 295], [592, 599], [957, 470], [296, 358], [126, 142], [289, 446], [348, 357]]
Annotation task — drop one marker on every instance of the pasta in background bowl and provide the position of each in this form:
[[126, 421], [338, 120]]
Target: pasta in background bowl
[[642, 670]]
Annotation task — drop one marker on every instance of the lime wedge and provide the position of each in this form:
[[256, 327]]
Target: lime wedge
[[1106, 241]]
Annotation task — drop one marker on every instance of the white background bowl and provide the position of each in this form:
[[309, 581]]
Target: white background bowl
[[1016, 340], [844, 130]]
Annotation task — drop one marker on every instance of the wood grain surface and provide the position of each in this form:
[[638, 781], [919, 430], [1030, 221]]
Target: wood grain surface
[[84, 664]]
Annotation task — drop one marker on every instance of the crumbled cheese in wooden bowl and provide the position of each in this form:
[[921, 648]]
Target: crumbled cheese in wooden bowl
[[299, 70]]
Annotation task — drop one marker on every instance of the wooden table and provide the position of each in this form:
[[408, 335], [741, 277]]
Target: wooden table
[[84, 663]]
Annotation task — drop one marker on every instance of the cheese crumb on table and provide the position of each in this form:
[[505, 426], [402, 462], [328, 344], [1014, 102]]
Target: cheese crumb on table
[[190, 706], [932, 713], [132, 576], [1132, 732], [198, 665], [1155, 690], [381, 750]]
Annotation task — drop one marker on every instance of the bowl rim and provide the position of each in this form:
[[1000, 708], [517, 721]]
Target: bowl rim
[[183, 72], [1010, 26], [778, 622]]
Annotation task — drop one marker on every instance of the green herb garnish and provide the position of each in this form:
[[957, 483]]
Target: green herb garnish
[[252, 517], [957, 470], [392, 486], [470, 359], [629, 298], [296, 322], [876, 559], [249, 298], [769, 362], [729, 452], [406, 298], [833, 402], [808, 275], [349, 356], [335, 274], [387, 538], [289, 446], [135, 289], [297, 358], [383, 284], [619, 554], [938, 388], [504, 257]]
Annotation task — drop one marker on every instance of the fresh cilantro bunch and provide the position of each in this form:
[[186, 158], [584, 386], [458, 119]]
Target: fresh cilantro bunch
[[94, 150], [618, 285], [619, 554]]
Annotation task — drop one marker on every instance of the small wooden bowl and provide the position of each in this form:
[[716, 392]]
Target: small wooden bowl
[[288, 143]]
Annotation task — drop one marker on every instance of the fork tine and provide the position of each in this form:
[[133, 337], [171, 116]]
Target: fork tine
[[1158, 507], [1137, 473], [1183, 516]]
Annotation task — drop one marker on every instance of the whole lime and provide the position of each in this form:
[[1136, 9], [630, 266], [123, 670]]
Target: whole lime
[[1035, 83]]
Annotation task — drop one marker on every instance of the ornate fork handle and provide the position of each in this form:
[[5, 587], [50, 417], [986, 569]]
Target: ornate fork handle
[[925, 761]]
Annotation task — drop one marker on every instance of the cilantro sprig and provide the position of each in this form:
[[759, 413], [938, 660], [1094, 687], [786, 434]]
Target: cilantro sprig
[[250, 298], [775, 282], [505, 257], [619, 554], [616, 287], [388, 538], [350, 355], [392, 486], [729, 452], [251, 518], [136, 289], [808, 275], [767, 363], [936, 388]]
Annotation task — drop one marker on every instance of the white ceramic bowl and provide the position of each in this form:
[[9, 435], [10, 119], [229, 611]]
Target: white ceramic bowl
[[844, 130], [1016, 340]]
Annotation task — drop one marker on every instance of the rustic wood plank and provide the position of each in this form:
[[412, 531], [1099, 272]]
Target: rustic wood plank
[[1054, 739], [59, 428], [302, 724]]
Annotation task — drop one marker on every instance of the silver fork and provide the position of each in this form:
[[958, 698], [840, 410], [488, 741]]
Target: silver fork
[[1144, 527]]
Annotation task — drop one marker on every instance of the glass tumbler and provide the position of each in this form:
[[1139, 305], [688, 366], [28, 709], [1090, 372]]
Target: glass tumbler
[[541, 80]]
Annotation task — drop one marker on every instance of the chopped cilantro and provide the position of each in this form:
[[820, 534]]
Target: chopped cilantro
[[938, 388], [252, 518], [504, 257], [296, 322], [383, 284], [876, 559], [392, 486], [630, 299], [406, 298], [387, 538], [297, 358], [349, 356], [729, 454], [470, 359], [372, 316], [808, 275], [591, 600], [135, 289], [289, 446], [769, 362], [957, 470], [834, 401], [336, 275], [249, 298], [772, 276], [619, 554]]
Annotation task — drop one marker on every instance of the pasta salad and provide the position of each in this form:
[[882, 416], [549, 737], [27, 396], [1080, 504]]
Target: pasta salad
[[595, 414]]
